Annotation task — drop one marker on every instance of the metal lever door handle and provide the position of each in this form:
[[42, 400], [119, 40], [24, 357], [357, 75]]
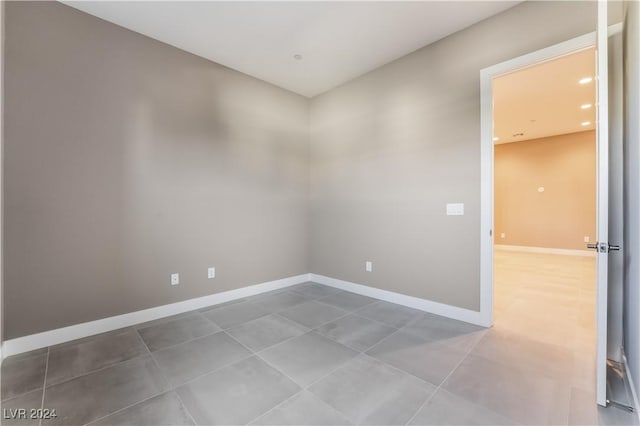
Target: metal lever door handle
[[614, 247], [593, 246]]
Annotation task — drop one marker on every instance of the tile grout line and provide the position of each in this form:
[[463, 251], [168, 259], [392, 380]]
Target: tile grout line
[[309, 330], [290, 321], [150, 354], [143, 400], [99, 369], [355, 312], [199, 376], [124, 408], [186, 341], [392, 333], [393, 367], [306, 388], [275, 406], [302, 388], [215, 370], [170, 387], [254, 353], [44, 383], [360, 352], [396, 329], [143, 342], [276, 313], [173, 387], [398, 369], [471, 348], [184, 406]]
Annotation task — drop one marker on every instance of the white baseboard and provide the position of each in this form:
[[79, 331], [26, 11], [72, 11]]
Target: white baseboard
[[77, 331], [634, 393], [546, 250], [442, 309]]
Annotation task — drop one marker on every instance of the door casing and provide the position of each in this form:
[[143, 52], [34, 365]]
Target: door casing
[[487, 153]]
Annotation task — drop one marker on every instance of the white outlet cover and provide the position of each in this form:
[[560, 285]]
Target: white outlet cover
[[175, 279], [503, 235], [586, 238], [541, 189], [211, 272], [368, 266], [455, 209]]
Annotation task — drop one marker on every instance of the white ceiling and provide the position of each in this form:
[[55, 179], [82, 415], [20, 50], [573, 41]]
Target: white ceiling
[[337, 40], [548, 93]]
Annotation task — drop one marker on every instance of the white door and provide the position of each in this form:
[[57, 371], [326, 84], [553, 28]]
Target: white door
[[602, 247]]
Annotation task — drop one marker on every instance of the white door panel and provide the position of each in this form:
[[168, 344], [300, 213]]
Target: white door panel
[[602, 220]]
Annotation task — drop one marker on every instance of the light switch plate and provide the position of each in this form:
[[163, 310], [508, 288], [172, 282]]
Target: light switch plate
[[175, 279], [455, 209], [211, 272], [368, 266]]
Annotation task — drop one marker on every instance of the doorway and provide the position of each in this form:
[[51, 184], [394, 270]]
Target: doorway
[[605, 164], [544, 135]]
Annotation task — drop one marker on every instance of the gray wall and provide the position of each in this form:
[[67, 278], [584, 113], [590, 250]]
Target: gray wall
[[632, 189], [391, 148], [127, 160]]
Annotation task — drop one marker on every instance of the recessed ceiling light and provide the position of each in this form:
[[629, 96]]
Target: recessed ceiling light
[[586, 106], [495, 138], [585, 80], [297, 57], [585, 123]]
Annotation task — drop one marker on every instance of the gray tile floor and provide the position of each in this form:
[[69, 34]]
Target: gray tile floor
[[308, 354]]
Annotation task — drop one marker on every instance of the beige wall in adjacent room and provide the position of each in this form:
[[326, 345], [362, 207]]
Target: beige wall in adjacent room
[[128, 160], [390, 149], [565, 212]]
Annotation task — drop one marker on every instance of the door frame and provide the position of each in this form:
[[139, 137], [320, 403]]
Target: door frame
[[487, 151]]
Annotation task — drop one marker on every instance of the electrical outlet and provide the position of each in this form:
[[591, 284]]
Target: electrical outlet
[[211, 272], [503, 235], [368, 266], [586, 238], [175, 279]]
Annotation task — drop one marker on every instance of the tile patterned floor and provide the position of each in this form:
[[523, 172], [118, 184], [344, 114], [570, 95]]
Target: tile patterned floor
[[308, 354]]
